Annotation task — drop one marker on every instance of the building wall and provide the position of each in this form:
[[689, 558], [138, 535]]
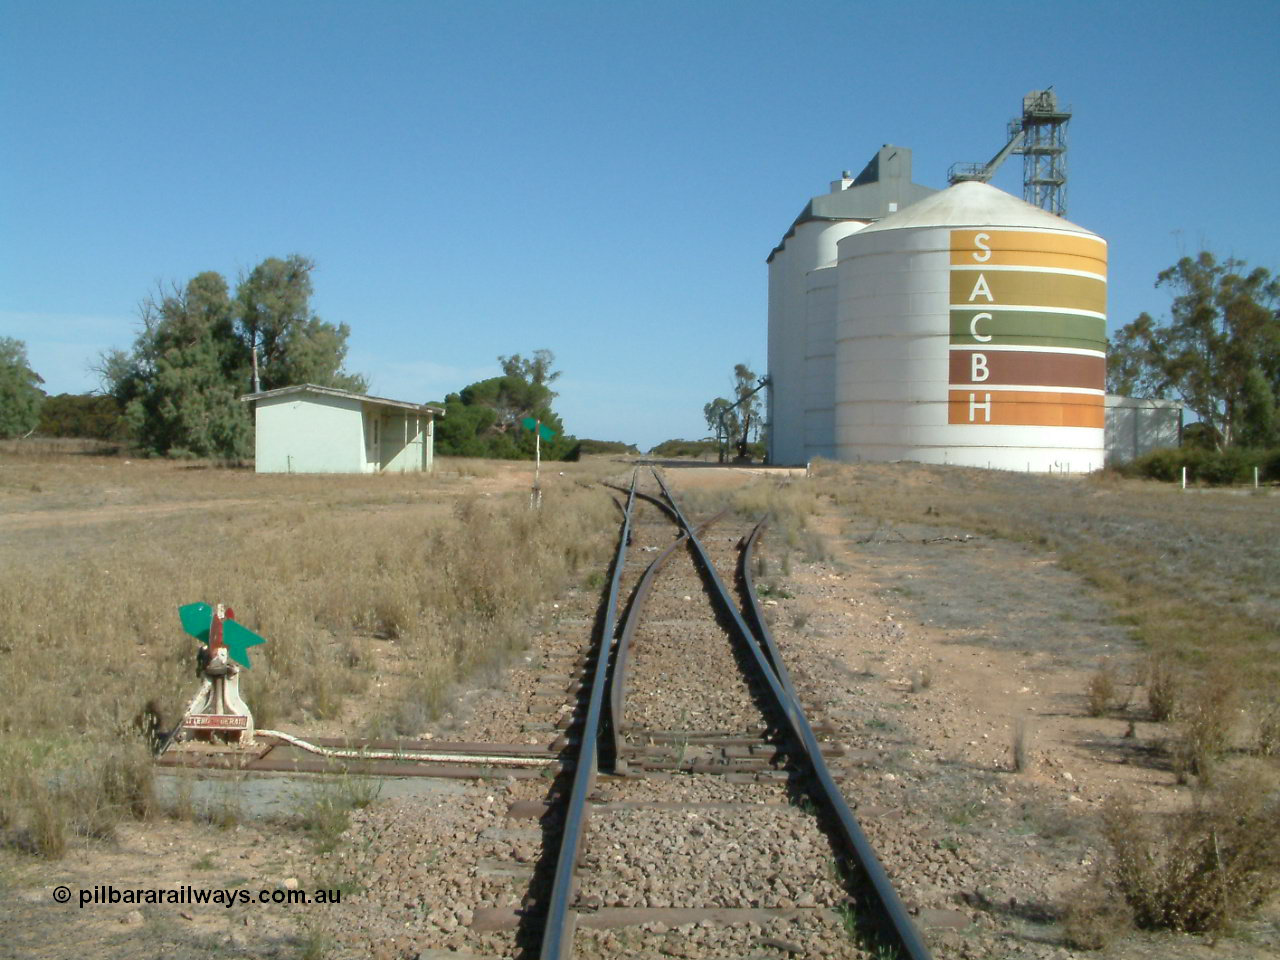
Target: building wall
[[1136, 427], [310, 433], [404, 441]]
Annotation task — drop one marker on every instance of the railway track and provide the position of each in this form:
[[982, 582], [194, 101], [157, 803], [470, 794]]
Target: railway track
[[698, 816]]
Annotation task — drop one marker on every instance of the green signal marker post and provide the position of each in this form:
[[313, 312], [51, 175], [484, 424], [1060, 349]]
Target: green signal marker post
[[218, 712], [540, 433]]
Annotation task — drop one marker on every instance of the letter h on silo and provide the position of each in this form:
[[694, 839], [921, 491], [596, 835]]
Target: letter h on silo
[[985, 406]]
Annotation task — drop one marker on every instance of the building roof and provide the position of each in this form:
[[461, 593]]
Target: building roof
[[973, 204], [344, 394]]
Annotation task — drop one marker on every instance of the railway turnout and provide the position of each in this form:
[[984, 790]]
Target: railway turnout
[[701, 792]]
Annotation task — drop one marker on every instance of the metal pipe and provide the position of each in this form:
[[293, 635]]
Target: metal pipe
[[406, 755]]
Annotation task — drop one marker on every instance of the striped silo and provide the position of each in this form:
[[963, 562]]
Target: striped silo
[[971, 329]]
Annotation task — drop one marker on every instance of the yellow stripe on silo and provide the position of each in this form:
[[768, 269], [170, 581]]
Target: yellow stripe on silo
[[1024, 248], [1027, 288], [1025, 408]]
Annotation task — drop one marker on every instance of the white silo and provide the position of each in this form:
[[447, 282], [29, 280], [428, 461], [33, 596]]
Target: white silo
[[972, 330], [820, 363], [802, 301], [812, 244]]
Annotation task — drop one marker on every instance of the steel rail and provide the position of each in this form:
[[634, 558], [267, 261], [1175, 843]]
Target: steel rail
[[850, 831], [757, 611], [622, 659], [557, 936], [656, 501]]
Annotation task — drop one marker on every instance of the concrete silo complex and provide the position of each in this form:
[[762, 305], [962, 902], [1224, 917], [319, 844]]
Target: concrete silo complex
[[968, 328], [971, 329], [802, 301]]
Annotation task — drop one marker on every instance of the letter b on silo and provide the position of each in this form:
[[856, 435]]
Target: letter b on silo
[[978, 371]]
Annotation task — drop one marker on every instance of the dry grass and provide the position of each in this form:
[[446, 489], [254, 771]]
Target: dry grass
[[326, 568]]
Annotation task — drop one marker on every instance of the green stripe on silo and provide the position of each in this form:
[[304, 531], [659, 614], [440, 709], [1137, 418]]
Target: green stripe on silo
[[1027, 328]]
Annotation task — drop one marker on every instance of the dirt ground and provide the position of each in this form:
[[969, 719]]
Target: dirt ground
[[942, 644], [950, 643]]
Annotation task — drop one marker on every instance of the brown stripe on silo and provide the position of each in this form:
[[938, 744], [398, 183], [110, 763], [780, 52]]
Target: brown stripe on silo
[[1029, 368]]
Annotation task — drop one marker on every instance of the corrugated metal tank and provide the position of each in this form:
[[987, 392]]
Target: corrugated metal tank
[[813, 245], [971, 329]]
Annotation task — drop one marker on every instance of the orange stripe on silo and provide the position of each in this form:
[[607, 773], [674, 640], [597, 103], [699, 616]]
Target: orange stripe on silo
[[1019, 408], [1027, 248]]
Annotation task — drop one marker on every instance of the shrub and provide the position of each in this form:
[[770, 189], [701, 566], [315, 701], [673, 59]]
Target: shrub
[[1163, 683], [1205, 718], [922, 679], [1201, 868], [1216, 468], [1266, 716], [1095, 916], [1101, 691]]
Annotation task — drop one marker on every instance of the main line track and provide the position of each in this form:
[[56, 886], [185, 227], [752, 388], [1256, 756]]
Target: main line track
[[702, 818]]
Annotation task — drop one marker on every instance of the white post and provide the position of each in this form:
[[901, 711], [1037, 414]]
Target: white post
[[1255, 478], [1184, 478], [535, 499]]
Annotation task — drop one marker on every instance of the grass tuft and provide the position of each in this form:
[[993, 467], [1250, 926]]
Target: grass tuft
[[1021, 746]]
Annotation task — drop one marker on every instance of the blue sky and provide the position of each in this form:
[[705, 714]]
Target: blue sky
[[603, 179]]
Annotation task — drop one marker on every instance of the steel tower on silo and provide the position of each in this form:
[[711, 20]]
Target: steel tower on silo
[[1044, 150], [1040, 135]]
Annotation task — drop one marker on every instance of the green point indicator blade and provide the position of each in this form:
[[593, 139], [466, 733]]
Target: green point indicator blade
[[238, 640], [547, 433], [528, 423], [196, 618]]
